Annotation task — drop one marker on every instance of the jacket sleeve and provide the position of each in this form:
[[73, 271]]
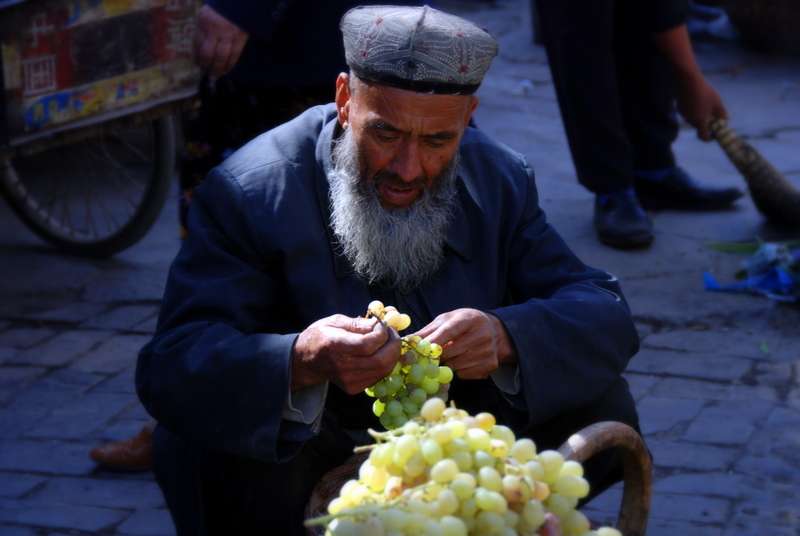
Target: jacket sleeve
[[571, 326], [212, 374]]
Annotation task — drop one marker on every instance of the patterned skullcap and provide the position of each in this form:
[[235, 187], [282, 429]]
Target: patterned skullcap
[[417, 48]]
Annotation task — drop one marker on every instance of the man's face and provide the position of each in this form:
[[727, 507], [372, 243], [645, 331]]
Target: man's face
[[404, 139]]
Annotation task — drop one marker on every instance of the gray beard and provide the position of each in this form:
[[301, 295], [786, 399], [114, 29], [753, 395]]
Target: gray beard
[[396, 248]]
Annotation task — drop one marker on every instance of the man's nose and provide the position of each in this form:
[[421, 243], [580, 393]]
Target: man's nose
[[407, 162]]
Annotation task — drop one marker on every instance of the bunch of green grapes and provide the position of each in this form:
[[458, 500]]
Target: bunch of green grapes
[[417, 376], [452, 474]]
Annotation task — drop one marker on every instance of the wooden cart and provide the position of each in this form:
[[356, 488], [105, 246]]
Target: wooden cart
[[637, 484], [87, 131]]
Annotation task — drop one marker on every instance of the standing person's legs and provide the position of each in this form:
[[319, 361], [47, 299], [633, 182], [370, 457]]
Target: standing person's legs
[[646, 87], [579, 38], [647, 93], [214, 493]]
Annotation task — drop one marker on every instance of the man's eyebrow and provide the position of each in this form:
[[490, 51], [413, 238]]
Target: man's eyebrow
[[386, 127], [380, 125]]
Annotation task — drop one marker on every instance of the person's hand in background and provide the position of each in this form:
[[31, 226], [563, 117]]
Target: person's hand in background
[[217, 43]]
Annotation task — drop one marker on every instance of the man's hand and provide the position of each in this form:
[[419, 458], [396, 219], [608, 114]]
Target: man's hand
[[698, 103], [217, 43], [473, 343], [353, 353]]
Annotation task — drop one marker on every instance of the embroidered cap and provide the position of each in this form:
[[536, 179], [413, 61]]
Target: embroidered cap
[[417, 48]]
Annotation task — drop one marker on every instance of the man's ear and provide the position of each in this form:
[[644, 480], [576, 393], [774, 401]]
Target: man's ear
[[343, 99], [473, 103]]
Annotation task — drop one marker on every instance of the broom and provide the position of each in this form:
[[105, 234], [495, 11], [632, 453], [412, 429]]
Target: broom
[[774, 196]]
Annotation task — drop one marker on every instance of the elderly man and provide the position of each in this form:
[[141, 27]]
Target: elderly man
[[258, 365]]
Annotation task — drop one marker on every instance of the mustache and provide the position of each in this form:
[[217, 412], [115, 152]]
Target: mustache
[[393, 180]]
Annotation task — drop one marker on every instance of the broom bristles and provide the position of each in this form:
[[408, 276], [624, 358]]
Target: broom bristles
[[774, 196]]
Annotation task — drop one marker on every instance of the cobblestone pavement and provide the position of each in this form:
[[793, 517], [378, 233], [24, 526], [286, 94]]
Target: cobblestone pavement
[[717, 379]]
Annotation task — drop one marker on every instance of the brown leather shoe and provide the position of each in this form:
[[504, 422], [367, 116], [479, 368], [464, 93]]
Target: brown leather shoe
[[131, 453]]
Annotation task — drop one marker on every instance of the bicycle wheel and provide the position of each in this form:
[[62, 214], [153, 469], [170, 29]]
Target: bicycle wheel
[[99, 195]]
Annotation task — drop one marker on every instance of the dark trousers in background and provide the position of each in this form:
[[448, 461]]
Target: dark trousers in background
[[214, 493], [230, 113], [615, 89]]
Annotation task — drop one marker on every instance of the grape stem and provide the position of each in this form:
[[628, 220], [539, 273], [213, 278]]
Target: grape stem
[[365, 510]]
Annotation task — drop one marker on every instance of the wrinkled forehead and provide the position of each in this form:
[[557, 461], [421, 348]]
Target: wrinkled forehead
[[373, 98]]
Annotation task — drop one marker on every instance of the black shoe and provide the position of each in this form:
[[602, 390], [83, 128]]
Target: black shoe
[[681, 191], [621, 222]]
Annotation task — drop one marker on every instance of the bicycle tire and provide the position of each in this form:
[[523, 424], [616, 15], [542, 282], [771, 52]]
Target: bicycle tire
[[99, 195]]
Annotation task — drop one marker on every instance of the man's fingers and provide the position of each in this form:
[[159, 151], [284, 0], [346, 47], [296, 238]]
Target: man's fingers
[[703, 130], [222, 52], [206, 54], [236, 51]]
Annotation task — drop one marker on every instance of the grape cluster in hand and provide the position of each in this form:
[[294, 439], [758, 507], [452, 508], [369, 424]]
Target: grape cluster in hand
[[417, 376]]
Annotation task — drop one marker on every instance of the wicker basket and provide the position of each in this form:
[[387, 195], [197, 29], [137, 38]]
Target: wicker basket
[[767, 25], [328, 488], [637, 486]]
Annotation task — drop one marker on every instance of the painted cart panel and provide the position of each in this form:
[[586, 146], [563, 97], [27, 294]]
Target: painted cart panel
[[71, 62]]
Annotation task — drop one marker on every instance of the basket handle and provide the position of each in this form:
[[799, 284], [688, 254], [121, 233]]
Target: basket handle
[[636, 465]]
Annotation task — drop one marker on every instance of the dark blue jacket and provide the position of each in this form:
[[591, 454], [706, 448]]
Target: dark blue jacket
[[258, 267]]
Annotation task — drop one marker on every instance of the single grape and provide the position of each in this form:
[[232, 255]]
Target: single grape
[[490, 478], [418, 396], [380, 390], [440, 433], [394, 519], [444, 471], [533, 514], [376, 308], [571, 467], [478, 439], [448, 501], [485, 420], [432, 371], [571, 485], [462, 486], [409, 407], [392, 319], [523, 449], [404, 322], [393, 383], [431, 451], [453, 526], [399, 420], [575, 523], [423, 346], [558, 504], [432, 409], [394, 408], [489, 522], [415, 374], [429, 385], [463, 459]]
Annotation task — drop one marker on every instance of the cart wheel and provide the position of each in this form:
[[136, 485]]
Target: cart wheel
[[636, 465], [97, 196]]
